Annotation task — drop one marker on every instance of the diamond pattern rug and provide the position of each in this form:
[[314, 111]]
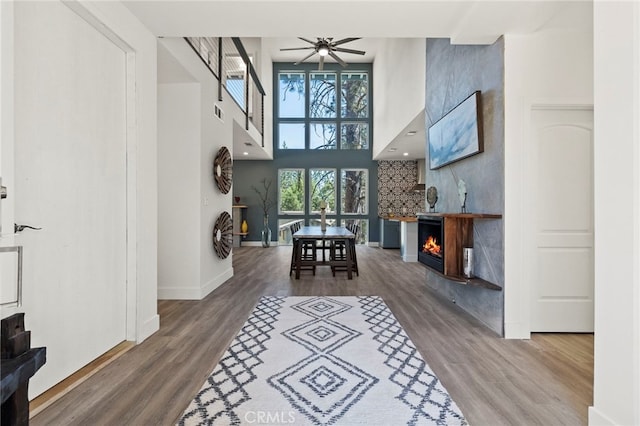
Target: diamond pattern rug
[[322, 361]]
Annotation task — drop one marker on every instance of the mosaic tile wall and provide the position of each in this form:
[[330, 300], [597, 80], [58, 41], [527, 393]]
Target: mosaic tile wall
[[395, 180]]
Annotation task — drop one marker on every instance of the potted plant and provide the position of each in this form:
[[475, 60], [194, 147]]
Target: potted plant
[[267, 203]]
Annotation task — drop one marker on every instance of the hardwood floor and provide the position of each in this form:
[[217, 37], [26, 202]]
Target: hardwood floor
[[543, 381]]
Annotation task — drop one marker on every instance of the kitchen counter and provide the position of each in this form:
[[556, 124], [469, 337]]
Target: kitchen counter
[[407, 240], [400, 218]]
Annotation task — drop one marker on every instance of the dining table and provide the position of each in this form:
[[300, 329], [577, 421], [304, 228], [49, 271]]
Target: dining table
[[330, 234]]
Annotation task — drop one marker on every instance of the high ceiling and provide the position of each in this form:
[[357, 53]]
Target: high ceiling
[[464, 22]]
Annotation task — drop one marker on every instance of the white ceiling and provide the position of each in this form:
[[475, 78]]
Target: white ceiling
[[465, 22]]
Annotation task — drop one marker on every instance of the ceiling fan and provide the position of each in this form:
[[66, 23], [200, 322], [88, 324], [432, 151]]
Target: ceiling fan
[[324, 47]]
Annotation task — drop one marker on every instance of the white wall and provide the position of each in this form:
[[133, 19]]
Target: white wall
[[398, 87], [200, 271], [65, 305], [179, 194], [6, 114], [142, 161], [553, 67], [616, 399]]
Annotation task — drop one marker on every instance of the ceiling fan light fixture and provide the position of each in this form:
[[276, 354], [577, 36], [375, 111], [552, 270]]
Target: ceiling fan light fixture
[[325, 47]]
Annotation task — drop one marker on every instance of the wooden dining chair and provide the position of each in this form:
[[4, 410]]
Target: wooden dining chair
[[339, 250], [308, 251]]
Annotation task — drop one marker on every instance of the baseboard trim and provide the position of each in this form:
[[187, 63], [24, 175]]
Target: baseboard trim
[[257, 244], [516, 330], [194, 293], [597, 418], [149, 327], [53, 394], [215, 283]]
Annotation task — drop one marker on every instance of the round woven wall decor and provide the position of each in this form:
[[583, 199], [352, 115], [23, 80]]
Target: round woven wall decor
[[223, 235], [222, 170]]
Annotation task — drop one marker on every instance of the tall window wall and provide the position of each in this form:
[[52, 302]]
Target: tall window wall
[[322, 139]]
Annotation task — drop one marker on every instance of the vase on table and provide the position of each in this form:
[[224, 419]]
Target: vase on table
[[266, 232], [323, 220]]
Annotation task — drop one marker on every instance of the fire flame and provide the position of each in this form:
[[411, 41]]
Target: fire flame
[[431, 246]]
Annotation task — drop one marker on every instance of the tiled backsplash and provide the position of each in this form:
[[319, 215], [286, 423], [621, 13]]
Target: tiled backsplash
[[395, 180]]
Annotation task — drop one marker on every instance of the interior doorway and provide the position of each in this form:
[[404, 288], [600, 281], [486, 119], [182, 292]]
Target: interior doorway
[[561, 232]]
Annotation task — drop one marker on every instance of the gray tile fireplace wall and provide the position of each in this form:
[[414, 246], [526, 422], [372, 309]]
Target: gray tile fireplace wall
[[454, 72]]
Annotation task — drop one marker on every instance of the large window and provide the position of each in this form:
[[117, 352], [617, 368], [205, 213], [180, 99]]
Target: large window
[[291, 191], [323, 188], [354, 187], [313, 114], [322, 125]]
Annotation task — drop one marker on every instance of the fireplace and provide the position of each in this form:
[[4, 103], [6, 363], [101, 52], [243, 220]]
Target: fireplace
[[431, 242], [442, 238]]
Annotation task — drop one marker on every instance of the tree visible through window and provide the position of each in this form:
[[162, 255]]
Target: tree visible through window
[[291, 191], [323, 188], [329, 111], [334, 107], [354, 188]]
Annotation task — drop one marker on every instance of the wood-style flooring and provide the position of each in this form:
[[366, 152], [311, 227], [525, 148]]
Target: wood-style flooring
[[543, 381]]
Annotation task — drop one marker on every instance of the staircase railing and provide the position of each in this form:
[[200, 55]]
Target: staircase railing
[[229, 62]]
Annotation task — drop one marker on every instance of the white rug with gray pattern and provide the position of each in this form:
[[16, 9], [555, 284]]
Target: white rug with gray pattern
[[322, 361]]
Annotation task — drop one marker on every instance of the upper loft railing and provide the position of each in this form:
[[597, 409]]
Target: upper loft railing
[[229, 62]]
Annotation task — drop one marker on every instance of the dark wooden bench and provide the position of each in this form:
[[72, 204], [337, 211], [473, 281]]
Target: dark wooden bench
[[19, 362]]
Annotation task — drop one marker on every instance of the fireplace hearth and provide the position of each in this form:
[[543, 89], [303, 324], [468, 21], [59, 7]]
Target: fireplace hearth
[[431, 242]]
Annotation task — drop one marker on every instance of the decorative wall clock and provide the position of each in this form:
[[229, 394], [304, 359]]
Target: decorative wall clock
[[222, 170], [223, 235]]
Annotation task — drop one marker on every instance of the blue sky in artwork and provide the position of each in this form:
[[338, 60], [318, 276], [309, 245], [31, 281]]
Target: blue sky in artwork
[[454, 136]]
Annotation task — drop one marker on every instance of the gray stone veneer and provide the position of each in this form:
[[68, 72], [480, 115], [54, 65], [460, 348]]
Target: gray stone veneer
[[453, 72]]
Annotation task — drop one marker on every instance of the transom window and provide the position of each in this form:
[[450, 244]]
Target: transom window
[[323, 110]]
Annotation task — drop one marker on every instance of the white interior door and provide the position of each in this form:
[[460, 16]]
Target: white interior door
[[562, 285], [70, 179]]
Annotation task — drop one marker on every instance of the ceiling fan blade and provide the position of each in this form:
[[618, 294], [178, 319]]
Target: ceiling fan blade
[[305, 58], [297, 48], [307, 40], [345, 40], [340, 61], [321, 64], [342, 49]]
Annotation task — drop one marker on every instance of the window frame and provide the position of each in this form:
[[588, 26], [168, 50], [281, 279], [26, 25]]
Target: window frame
[[304, 185], [308, 120], [342, 209], [335, 192]]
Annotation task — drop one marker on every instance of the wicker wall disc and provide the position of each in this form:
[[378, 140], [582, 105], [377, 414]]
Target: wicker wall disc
[[223, 235], [222, 170]]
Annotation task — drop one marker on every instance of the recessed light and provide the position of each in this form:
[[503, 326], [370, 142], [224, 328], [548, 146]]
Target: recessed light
[[245, 153], [406, 154], [411, 133], [393, 149]]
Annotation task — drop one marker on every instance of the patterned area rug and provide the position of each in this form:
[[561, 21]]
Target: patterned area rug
[[322, 361]]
